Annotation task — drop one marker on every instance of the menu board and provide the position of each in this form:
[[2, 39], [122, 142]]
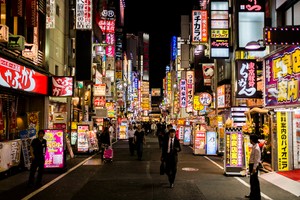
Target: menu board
[[82, 138], [54, 157]]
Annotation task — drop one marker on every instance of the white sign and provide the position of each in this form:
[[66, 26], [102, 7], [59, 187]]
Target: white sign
[[83, 14]]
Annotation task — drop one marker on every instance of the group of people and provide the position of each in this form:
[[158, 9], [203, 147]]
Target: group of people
[[168, 143]]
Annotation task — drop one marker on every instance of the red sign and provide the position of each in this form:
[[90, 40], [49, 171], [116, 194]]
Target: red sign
[[15, 76], [99, 101], [62, 86]]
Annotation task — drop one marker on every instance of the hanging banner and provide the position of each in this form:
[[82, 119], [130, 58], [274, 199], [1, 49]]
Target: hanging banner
[[13, 117], [283, 141]]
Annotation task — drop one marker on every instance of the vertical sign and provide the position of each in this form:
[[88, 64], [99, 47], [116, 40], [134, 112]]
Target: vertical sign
[[219, 24], [199, 26], [282, 138], [189, 90], [50, 15], [183, 101], [54, 157], [246, 78], [83, 14]]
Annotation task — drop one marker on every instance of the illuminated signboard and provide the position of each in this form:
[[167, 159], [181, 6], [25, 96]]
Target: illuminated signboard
[[199, 26], [219, 23], [282, 78], [283, 141], [182, 88], [83, 14], [54, 157], [15, 76], [62, 86], [189, 90], [289, 35], [234, 148], [251, 21], [246, 79]]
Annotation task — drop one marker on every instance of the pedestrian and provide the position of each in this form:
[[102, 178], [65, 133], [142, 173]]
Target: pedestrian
[[153, 128], [104, 141], [161, 131], [254, 161], [139, 140], [130, 133], [37, 152], [170, 148], [111, 132]]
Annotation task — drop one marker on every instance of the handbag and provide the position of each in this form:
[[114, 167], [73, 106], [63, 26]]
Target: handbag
[[162, 168]]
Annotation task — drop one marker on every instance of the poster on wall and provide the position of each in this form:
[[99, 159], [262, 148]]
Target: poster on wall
[[82, 138], [54, 157]]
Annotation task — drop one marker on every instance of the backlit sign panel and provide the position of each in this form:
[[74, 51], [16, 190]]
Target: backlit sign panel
[[199, 26], [15, 76], [83, 14], [282, 78], [62, 86]]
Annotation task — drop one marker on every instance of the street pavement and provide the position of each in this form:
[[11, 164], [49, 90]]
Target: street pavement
[[198, 178]]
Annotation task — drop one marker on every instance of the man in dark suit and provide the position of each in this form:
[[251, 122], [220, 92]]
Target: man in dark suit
[[170, 149]]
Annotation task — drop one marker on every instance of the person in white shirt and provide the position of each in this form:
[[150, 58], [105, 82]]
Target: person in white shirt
[[153, 128], [130, 133], [111, 132], [254, 160]]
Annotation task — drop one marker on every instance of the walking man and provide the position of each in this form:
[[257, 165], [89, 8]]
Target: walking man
[[139, 140], [254, 161], [170, 148], [37, 151]]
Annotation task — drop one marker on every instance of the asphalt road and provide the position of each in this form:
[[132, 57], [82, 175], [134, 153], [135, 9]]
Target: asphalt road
[[126, 178]]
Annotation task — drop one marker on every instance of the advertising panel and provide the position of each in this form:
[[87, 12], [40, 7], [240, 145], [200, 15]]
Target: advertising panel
[[211, 143], [13, 75], [282, 75], [199, 26], [246, 79], [199, 141], [234, 155], [82, 138], [83, 14], [187, 135], [283, 141], [62, 86], [54, 157]]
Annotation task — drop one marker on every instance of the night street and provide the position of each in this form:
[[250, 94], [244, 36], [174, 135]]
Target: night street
[[198, 177]]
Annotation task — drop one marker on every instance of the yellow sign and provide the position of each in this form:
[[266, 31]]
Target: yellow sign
[[282, 138]]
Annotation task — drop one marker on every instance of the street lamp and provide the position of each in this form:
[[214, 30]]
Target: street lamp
[[254, 45]]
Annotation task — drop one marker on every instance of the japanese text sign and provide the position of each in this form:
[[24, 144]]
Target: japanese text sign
[[15, 76], [282, 77]]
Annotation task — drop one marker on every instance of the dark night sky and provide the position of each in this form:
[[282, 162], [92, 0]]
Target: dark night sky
[[161, 22]]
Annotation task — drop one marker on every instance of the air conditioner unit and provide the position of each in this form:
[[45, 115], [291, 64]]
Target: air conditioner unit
[[4, 33]]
